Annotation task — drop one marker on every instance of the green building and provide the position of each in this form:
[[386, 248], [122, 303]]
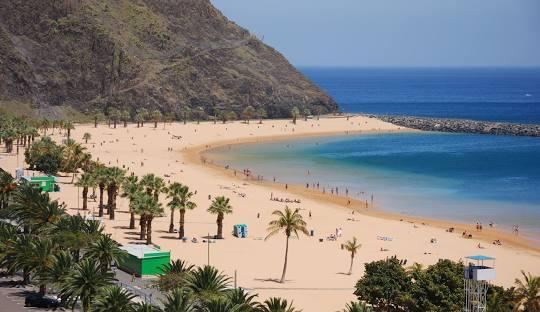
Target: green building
[[45, 183], [144, 260]]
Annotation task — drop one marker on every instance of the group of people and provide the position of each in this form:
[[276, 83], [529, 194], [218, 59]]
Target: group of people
[[284, 200]]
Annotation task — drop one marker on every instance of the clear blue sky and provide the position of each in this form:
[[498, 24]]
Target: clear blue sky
[[395, 32]]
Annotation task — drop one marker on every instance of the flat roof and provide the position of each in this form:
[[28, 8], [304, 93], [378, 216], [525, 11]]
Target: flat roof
[[39, 178], [140, 251], [480, 258]]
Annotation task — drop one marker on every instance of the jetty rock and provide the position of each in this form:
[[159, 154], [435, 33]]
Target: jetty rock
[[463, 125]]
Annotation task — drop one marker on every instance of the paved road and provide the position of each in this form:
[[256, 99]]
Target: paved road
[[12, 296]]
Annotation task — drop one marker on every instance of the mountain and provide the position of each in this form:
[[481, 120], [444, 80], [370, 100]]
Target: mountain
[[156, 54]]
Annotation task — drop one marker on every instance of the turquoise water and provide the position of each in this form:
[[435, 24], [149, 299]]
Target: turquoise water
[[460, 177]]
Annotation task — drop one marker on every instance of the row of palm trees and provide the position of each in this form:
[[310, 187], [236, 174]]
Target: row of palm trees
[[72, 256], [16, 131]]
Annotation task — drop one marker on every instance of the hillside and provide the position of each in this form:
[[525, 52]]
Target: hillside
[[164, 54]]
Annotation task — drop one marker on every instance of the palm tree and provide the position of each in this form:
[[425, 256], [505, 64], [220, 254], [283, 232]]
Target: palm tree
[[148, 208], [106, 251], [131, 188], [143, 114], [101, 178], [242, 300], [115, 178], [179, 300], [199, 112], [180, 196], [84, 283], [15, 253], [248, 112], [40, 259], [146, 307], [34, 210], [207, 283], [57, 273], [114, 115], [86, 181], [156, 117], [290, 222], [174, 275], [352, 246], [261, 113], [154, 185], [74, 156], [528, 292], [86, 136], [125, 117], [69, 126], [114, 299], [306, 112], [7, 186], [74, 233], [294, 113], [357, 307], [278, 305], [220, 206]]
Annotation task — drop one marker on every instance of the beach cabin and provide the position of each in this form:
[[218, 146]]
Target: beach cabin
[[44, 183], [240, 230], [144, 260]]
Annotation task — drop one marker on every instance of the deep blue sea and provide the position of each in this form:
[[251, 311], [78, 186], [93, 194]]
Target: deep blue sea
[[461, 177], [497, 94]]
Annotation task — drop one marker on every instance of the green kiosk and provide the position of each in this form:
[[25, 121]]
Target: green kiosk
[[144, 260], [45, 183]]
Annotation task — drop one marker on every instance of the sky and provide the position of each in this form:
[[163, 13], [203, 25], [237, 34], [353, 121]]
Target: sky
[[432, 33]]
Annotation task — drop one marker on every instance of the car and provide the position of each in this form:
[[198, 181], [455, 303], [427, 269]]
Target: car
[[40, 301]]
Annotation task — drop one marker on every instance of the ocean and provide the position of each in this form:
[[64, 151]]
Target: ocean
[[463, 177], [494, 94]]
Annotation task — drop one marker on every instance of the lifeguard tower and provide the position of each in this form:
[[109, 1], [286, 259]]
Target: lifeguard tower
[[476, 279]]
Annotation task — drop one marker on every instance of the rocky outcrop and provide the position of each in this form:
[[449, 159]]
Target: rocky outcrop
[[171, 55], [463, 126]]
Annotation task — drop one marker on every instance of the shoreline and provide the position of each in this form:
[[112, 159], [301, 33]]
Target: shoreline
[[196, 155], [174, 152]]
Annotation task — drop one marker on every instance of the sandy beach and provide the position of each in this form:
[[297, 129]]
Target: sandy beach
[[315, 268]]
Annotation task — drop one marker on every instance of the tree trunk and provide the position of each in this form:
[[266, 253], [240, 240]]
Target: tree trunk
[[95, 122], [114, 124], [85, 198], [69, 134], [171, 225], [220, 226], [294, 120], [149, 231], [42, 289], [101, 189], [352, 261], [155, 124], [109, 199], [181, 227], [125, 123], [113, 203], [285, 263], [143, 228], [132, 220]]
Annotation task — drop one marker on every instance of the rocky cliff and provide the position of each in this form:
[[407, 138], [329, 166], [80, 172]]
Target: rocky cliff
[[463, 126], [164, 54]]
